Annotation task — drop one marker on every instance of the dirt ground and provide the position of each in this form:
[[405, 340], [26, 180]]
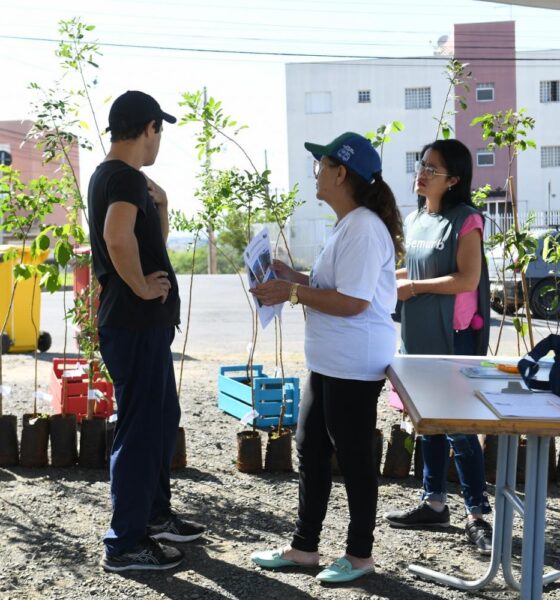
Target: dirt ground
[[52, 520]]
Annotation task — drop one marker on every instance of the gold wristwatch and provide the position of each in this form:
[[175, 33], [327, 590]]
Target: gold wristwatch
[[293, 294]]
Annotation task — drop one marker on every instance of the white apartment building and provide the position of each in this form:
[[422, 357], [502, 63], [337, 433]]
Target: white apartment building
[[327, 99], [538, 90]]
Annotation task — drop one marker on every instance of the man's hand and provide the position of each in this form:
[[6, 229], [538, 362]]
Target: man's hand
[[157, 194], [157, 286]]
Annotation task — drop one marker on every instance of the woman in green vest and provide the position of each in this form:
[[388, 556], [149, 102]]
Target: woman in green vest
[[444, 290]]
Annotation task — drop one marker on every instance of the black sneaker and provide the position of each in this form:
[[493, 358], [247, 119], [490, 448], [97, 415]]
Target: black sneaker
[[479, 532], [174, 529], [147, 556], [421, 516]]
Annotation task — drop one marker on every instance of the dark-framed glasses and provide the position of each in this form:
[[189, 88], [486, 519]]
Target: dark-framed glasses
[[430, 172]]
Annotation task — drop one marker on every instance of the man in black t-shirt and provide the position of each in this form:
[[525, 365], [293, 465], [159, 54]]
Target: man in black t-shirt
[[138, 313]]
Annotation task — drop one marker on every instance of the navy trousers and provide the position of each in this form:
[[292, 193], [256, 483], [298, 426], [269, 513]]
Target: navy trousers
[[141, 366]]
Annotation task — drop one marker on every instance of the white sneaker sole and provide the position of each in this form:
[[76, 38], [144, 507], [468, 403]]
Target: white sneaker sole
[[175, 537], [418, 525], [140, 566]]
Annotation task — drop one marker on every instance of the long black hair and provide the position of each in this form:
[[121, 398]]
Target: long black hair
[[457, 160], [379, 198]]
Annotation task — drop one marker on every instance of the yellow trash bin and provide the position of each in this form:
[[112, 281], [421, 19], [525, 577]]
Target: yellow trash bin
[[20, 332]]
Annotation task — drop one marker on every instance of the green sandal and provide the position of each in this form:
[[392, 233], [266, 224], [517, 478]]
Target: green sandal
[[272, 559], [340, 571]]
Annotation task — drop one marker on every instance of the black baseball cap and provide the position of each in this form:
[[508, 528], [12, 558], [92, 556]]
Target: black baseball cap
[[135, 108]]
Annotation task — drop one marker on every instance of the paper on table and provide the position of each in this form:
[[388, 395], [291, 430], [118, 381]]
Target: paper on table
[[541, 405], [488, 373]]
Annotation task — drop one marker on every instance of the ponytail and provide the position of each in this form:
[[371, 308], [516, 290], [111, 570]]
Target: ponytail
[[379, 198]]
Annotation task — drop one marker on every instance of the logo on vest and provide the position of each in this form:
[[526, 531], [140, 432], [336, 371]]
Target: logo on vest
[[426, 244]]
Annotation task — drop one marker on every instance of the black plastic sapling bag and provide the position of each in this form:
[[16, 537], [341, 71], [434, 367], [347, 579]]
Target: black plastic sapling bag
[[528, 366]]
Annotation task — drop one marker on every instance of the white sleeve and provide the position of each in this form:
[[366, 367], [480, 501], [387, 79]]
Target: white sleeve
[[358, 263]]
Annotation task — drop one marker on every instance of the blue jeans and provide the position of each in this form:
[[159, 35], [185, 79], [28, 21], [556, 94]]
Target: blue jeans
[[469, 459]]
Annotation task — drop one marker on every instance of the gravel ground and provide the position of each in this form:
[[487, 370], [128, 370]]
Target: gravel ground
[[52, 520]]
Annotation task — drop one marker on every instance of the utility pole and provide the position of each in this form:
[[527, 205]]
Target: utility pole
[[212, 260]]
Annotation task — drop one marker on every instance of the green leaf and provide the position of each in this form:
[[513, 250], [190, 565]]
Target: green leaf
[[409, 444], [521, 327], [43, 242], [62, 253], [22, 272]]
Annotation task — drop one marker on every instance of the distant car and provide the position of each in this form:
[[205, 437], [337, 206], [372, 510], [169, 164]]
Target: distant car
[[543, 281]]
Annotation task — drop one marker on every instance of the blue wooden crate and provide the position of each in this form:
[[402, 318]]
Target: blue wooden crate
[[234, 395]]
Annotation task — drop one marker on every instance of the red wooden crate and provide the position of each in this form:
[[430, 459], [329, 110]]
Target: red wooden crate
[[75, 390]]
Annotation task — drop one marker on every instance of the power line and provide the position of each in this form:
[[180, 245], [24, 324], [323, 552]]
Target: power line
[[287, 54]]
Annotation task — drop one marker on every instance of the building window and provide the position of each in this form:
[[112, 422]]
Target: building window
[[417, 98], [318, 102], [484, 158], [364, 96], [550, 91], [550, 156], [411, 159], [484, 92]]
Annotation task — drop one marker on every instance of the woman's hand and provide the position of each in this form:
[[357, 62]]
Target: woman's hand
[[282, 270], [272, 292], [405, 289]]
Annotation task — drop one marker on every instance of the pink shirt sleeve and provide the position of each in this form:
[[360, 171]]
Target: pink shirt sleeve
[[473, 221], [466, 303]]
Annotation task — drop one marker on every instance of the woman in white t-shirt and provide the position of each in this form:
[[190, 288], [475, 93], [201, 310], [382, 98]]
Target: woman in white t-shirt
[[349, 342]]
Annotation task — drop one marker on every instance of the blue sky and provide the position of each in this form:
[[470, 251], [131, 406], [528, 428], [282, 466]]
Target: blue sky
[[238, 49]]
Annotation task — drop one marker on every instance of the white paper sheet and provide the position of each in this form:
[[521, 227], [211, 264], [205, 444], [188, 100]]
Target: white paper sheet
[[536, 405], [258, 258]]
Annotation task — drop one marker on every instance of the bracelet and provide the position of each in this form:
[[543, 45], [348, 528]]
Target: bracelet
[[412, 291]]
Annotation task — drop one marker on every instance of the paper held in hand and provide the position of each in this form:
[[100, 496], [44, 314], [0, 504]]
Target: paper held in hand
[[258, 260], [536, 405]]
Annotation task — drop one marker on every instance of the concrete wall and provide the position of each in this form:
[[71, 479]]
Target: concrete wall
[[533, 179], [28, 160], [489, 48]]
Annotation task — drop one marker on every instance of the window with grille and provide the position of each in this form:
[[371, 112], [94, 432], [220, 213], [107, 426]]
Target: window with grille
[[417, 98], [550, 156], [484, 92], [411, 159], [485, 158], [318, 102], [364, 96], [550, 91]]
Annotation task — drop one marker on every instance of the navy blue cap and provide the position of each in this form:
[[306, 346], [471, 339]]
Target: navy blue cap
[[353, 151]]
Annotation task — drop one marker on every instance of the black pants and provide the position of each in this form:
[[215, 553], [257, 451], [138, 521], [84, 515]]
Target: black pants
[[337, 415]]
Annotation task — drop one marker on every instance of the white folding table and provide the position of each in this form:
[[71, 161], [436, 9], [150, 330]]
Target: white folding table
[[441, 399]]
